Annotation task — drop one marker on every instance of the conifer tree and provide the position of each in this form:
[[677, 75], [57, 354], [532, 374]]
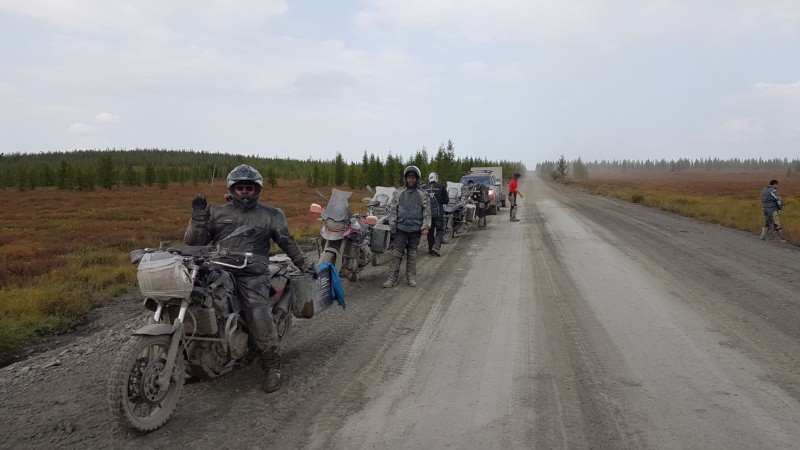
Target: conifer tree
[[272, 179], [339, 169], [106, 176], [149, 175]]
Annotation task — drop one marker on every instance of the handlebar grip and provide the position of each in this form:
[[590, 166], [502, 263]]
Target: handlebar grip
[[248, 255]]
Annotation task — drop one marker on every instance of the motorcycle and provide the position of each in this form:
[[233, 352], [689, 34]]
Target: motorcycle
[[459, 212], [346, 239], [380, 202], [380, 207], [479, 196], [197, 328]]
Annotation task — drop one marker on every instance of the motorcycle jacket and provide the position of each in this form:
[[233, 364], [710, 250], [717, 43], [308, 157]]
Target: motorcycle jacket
[[438, 198], [410, 210], [771, 200], [245, 230]]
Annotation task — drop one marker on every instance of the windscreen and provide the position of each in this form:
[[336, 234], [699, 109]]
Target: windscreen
[[485, 180]]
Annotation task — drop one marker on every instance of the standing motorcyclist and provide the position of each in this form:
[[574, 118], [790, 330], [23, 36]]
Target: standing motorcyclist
[[410, 217], [512, 196], [246, 225], [438, 198], [480, 197]]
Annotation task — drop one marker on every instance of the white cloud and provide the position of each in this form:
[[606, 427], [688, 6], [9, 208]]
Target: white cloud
[[600, 24], [155, 16], [106, 117], [7, 90], [253, 75], [80, 128], [741, 129], [791, 90]]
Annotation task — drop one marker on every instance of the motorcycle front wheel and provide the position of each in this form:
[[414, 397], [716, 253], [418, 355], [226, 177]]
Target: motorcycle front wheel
[[326, 256], [448, 230], [134, 395]]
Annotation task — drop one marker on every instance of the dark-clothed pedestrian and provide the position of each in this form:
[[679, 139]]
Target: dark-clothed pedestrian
[[513, 191], [247, 225], [480, 198], [437, 194], [410, 218], [771, 204]]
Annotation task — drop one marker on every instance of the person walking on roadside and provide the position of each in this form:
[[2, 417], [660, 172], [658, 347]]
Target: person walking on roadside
[[512, 196], [410, 218], [437, 194], [771, 204]]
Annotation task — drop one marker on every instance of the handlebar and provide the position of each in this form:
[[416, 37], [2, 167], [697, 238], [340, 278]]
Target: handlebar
[[208, 253], [246, 255]]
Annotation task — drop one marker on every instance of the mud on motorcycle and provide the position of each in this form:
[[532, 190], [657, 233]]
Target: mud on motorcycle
[[348, 241], [197, 328]]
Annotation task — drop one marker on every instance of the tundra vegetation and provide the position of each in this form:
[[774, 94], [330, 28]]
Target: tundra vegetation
[[69, 219], [725, 192]]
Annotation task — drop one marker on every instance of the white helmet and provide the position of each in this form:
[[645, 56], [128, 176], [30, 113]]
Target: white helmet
[[433, 178]]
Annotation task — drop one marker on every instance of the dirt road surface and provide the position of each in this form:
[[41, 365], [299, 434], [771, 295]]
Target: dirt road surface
[[591, 323]]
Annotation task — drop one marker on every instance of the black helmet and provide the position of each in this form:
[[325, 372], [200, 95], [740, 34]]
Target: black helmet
[[412, 170], [244, 174], [516, 175]]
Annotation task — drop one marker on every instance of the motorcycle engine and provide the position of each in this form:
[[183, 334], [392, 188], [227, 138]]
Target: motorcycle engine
[[209, 360]]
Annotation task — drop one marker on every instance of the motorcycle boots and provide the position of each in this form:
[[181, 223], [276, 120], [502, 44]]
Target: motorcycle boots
[[394, 269], [411, 268], [271, 363], [265, 335]]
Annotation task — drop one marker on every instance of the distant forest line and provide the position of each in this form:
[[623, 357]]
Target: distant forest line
[[579, 169], [112, 168]]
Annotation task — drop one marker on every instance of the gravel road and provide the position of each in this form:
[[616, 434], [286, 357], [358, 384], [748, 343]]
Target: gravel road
[[591, 323]]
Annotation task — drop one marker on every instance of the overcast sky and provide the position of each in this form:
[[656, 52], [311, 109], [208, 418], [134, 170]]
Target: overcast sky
[[517, 80]]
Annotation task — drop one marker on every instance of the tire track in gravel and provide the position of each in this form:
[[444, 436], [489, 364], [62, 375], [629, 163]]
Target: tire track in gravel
[[578, 401]]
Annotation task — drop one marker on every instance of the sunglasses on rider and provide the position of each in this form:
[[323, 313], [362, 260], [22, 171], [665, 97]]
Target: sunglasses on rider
[[245, 187]]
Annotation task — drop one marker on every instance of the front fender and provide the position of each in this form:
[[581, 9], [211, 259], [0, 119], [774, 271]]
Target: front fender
[[157, 329]]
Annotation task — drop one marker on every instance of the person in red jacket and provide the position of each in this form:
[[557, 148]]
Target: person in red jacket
[[512, 196]]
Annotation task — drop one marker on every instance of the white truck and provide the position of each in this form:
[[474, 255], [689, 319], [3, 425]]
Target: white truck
[[499, 183]]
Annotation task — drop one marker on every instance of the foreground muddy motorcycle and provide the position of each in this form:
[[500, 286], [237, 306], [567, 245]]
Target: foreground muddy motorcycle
[[348, 241], [196, 329]]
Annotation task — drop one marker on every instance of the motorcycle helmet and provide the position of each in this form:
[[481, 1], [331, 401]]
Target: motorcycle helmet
[[244, 175], [411, 170], [516, 175], [433, 178]]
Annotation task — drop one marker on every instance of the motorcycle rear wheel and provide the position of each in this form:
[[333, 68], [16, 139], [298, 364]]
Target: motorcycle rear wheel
[[136, 400]]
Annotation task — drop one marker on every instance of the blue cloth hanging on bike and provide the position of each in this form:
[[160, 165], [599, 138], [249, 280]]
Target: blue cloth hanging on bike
[[337, 292]]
